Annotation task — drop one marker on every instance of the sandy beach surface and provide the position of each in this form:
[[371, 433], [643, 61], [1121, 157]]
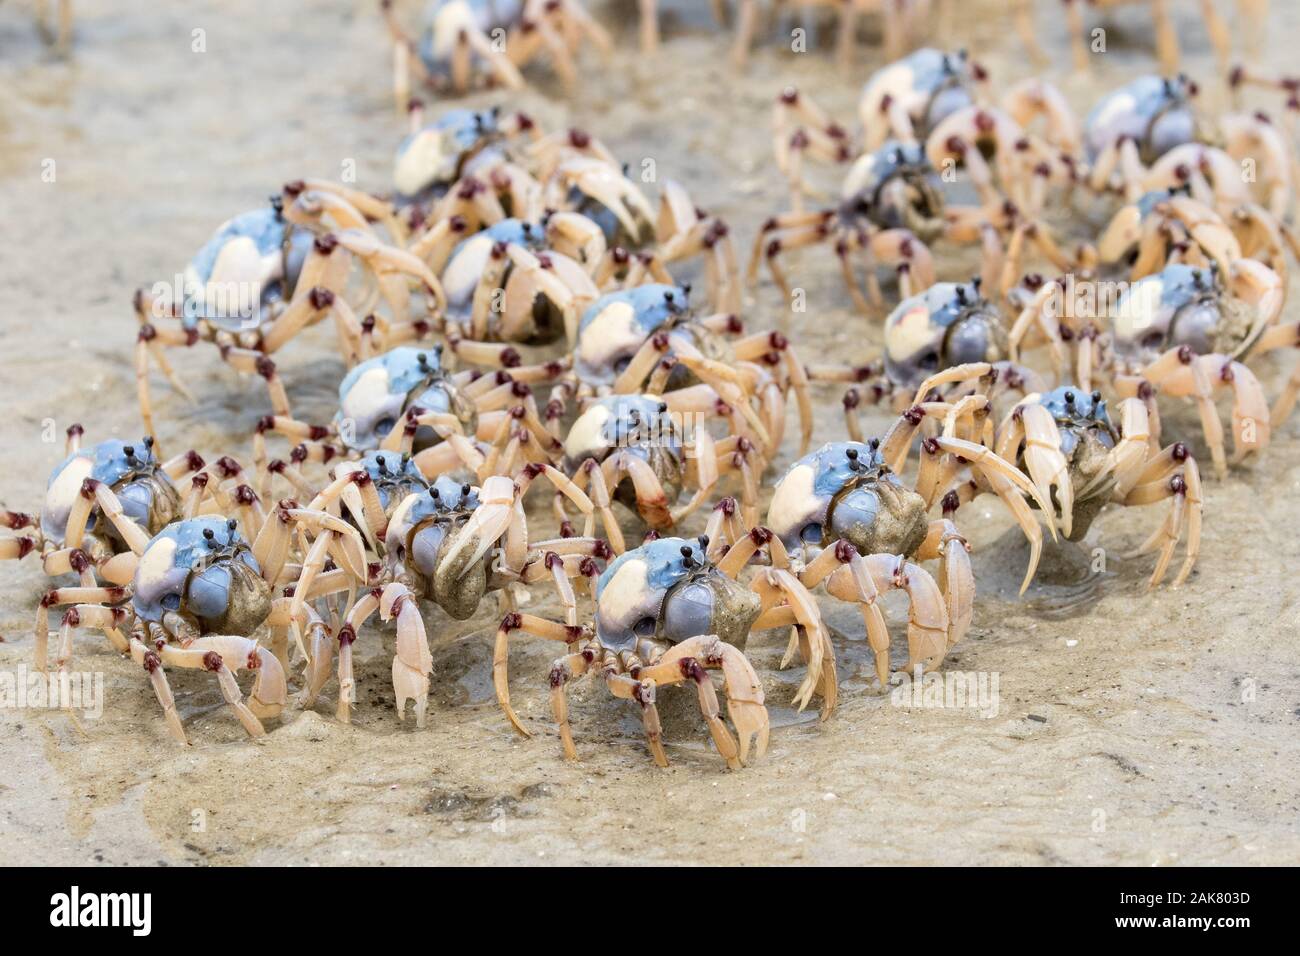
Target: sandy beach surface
[[1147, 729]]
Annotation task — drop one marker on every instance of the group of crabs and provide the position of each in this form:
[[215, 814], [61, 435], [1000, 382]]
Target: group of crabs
[[510, 260]]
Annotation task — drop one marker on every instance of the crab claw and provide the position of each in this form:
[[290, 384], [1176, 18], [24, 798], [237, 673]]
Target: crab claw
[[1047, 466], [413, 661]]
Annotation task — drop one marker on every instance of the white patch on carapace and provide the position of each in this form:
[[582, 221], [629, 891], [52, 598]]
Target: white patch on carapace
[[623, 599], [419, 162], [587, 436], [155, 563], [1139, 309], [461, 276], [1109, 120], [861, 173], [910, 332], [368, 395], [896, 81], [62, 494], [449, 21], [613, 331], [793, 500]]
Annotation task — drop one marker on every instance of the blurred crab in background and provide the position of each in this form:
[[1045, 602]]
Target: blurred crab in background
[[1241, 77], [270, 273], [506, 284], [1251, 12], [435, 156], [903, 23], [565, 182], [467, 41], [448, 542], [891, 206], [56, 29], [1167, 226], [1079, 461], [1150, 135], [1184, 331], [892, 202]]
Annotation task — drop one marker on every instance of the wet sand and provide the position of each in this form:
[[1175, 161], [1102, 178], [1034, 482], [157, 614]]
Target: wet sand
[[1142, 729]]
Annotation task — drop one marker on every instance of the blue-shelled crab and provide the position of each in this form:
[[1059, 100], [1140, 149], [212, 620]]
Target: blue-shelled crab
[[636, 449], [404, 402], [446, 542], [198, 592], [845, 516], [266, 275], [104, 501], [1185, 331], [666, 614], [1080, 460], [924, 116], [1150, 134], [948, 326], [467, 41]]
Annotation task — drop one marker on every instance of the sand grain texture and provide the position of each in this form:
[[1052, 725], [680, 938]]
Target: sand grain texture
[[1133, 744]]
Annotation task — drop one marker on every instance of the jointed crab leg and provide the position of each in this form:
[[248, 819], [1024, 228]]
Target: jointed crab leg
[[529, 624], [778, 584], [1180, 372], [687, 661], [1047, 466], [413, 661], [956, 581], [1141, 480]]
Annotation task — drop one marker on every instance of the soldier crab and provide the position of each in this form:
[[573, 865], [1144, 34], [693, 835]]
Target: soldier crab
[[948, 326], [1184, 331], [404, 401], [101, 503], [267, 275], [1080, 461], [449, 543], [636, 449], [844, 516], [891, 202], [197, 593], [464, 39], [666, 614]]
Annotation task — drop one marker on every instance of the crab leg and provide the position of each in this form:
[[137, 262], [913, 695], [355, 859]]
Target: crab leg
[[529, 624], [1186, 511], [1047, 466], [562, 671], [601, 502], [413, 661], [643, 692], [927, 623], [413, 649], [148, 658], [1180, 372], [687, 661], [270, 690], [723, 529], [956, 581], [209, 654], [97, 493], [316, 670], [777, 584]]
